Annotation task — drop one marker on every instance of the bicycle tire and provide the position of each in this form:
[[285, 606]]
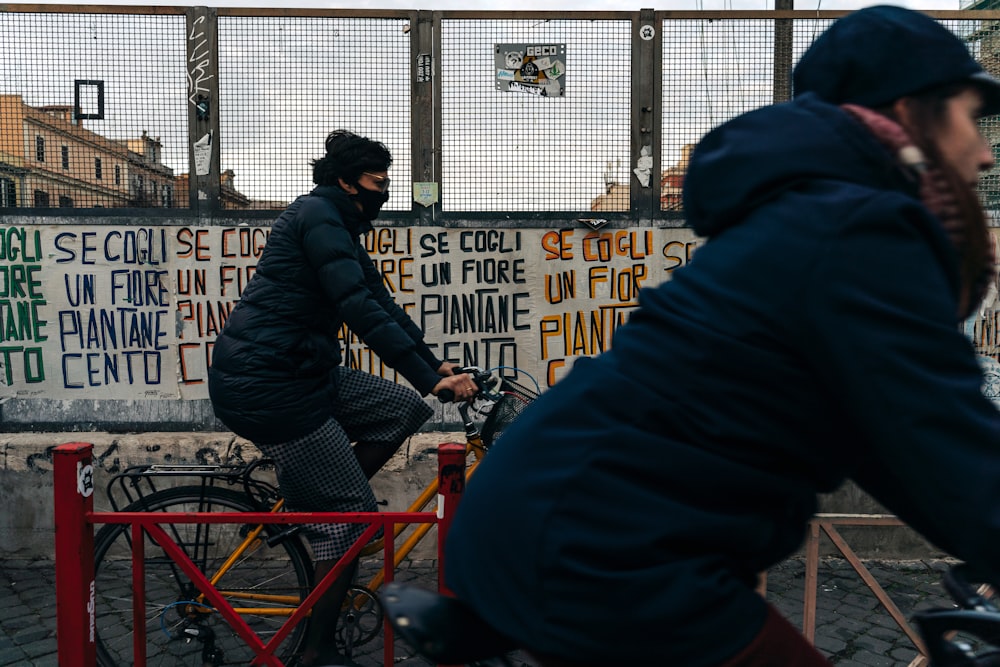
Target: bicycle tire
[[282, 569]]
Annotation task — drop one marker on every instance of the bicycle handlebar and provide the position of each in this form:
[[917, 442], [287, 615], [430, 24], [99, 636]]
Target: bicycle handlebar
[[485, 383], [958, 580], [975, 618]]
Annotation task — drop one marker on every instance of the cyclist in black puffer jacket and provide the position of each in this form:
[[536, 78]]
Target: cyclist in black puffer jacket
[[277, 376]]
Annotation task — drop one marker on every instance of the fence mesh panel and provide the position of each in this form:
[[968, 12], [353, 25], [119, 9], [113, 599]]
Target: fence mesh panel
[[92, 110], [714, 70], [287, 82], [511, 150], [983, 39]]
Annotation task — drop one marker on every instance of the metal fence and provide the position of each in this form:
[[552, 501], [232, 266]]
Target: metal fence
[[510, 116]]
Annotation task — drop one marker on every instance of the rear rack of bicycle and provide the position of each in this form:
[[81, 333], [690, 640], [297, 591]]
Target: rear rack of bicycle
[[133, 484]]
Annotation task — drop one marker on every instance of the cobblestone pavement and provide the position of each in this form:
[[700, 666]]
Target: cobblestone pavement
[[851, 626]]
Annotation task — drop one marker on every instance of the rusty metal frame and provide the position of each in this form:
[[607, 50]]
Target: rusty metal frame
[[826, 524]]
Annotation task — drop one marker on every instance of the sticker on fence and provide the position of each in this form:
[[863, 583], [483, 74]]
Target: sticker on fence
[[535, 69]]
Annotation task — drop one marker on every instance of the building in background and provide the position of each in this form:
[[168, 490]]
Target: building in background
[[151, 183], [616, 195], [233, 199], [49, 160]]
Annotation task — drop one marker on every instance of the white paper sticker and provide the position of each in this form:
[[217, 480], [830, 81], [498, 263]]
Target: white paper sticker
[[644, 165], [425, 193], [203, 155], [84, 479]]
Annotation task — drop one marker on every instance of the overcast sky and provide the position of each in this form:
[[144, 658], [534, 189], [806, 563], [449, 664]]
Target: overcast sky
[[528, 5], [268, 138]]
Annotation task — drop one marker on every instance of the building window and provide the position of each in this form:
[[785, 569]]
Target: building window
[[65, 157], [118, 175], [40, 148], [41, 199], [138, 191], [8, 193], [168, 196], [98, 171], [65, 202]]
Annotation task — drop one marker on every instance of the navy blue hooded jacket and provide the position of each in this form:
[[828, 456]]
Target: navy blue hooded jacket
[[272, 376], [624, 517]]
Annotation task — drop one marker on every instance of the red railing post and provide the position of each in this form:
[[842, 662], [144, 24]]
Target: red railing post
[[451, 485], [73, 484]]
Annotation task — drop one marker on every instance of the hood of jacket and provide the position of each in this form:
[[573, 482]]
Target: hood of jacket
[[753, 158]]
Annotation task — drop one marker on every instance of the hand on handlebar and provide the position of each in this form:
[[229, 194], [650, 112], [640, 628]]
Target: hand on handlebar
[[448, 368], [455, 388]]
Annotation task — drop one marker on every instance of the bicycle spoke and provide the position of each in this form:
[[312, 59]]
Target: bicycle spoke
[[174, 612]]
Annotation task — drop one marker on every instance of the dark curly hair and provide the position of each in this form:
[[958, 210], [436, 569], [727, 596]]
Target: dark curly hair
[[347, 156]]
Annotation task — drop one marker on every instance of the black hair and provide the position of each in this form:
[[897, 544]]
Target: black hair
[[348, 155]]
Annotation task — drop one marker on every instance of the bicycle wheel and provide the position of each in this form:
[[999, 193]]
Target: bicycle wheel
[[178, 631]]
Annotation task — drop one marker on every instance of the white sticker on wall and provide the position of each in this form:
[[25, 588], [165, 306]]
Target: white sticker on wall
[[84, 479]]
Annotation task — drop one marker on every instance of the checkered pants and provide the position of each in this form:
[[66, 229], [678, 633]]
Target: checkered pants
[[319, 472]]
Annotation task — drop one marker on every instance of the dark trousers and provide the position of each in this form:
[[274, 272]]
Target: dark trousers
[[778, 644]]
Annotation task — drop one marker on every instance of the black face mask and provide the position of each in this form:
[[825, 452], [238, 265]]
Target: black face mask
[[371, 201]]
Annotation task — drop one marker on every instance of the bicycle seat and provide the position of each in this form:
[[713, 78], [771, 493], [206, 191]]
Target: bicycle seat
[[442, 629]]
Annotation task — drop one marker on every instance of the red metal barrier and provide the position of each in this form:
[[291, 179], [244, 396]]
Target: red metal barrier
[[451, 486], [75, 519], [73, 482]]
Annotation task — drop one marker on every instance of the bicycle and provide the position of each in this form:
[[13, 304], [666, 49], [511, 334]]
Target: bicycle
[[265, 570], [447, 631], [965, 636], [444, 629]]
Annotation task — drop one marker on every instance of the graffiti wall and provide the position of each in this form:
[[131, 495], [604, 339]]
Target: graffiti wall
[[132, 312]]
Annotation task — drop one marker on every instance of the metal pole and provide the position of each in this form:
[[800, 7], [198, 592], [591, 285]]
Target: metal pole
[[645, 132], [783, 53], [451, 485], [204, 180], [73, 485]]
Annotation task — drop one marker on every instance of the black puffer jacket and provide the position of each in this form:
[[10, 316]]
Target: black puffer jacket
[[272, 374]]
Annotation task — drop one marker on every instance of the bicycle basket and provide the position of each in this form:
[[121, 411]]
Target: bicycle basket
[[515, 398]]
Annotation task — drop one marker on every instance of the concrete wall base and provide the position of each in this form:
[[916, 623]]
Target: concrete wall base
[[26, 486]]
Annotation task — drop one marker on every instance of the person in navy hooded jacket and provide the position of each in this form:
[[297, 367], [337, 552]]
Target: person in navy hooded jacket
[[813, 338]]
